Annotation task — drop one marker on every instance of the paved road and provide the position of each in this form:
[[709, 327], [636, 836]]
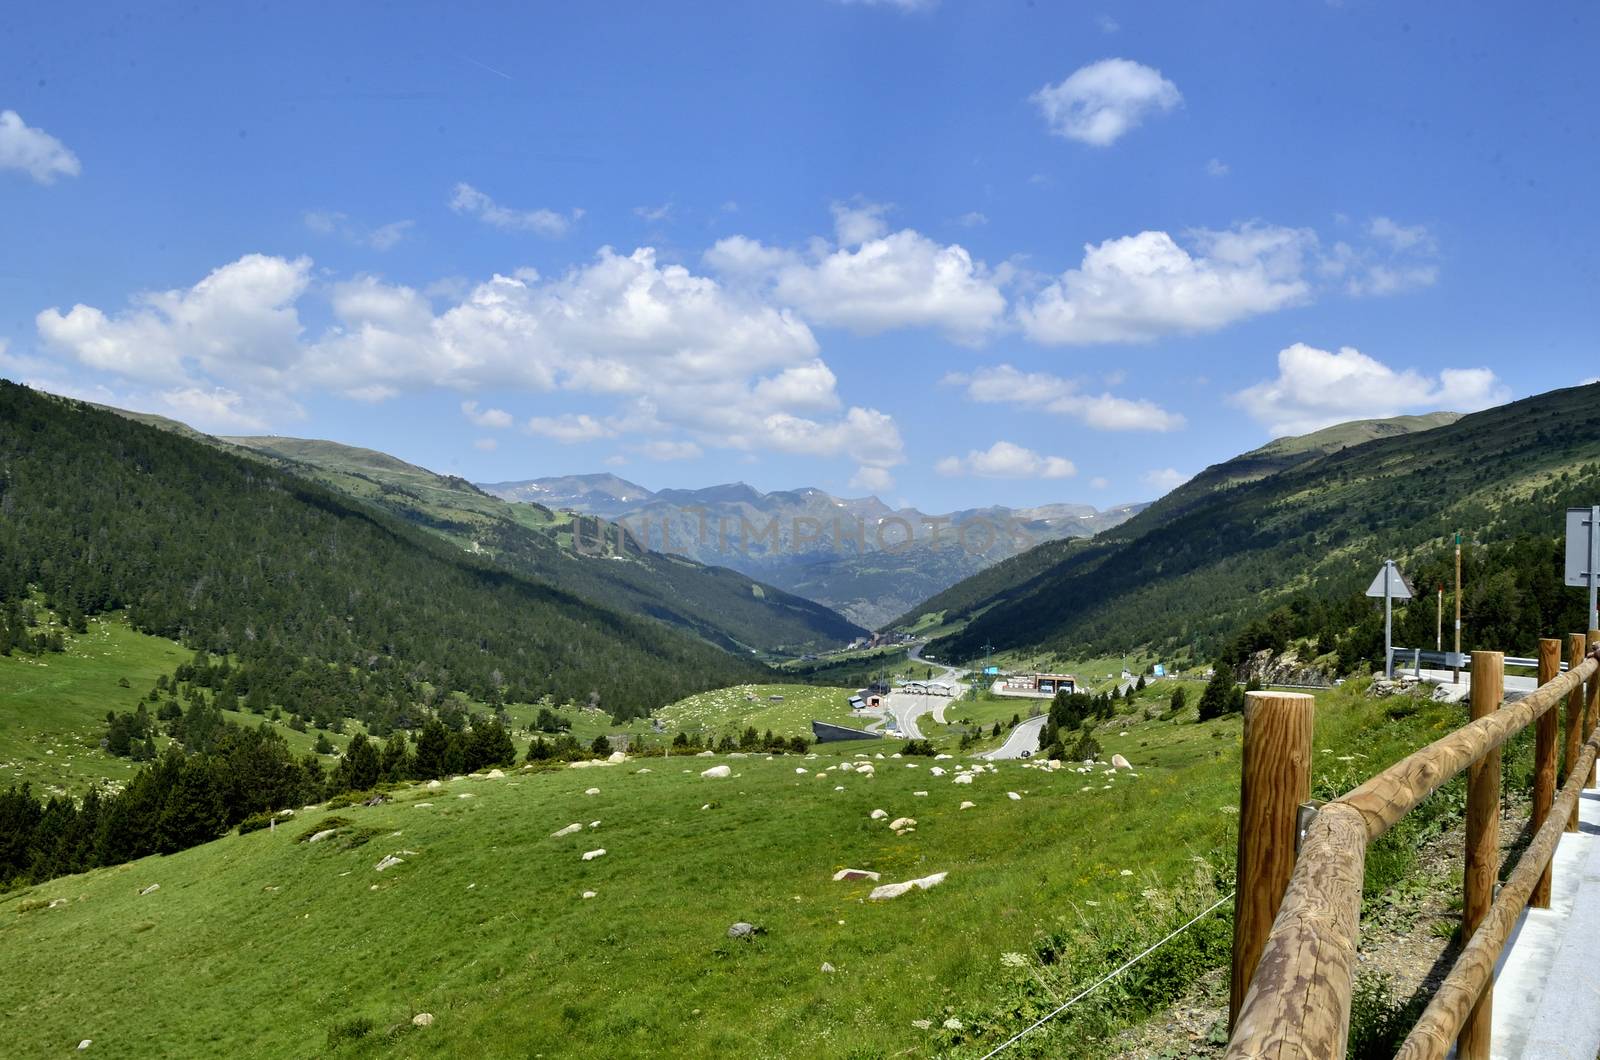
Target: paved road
[[1513, 683], [1025, 737], [907, 707]]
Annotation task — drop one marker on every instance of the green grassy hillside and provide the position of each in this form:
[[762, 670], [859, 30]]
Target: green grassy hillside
[[241, 559], [265, 946], [1189, 571], [724, 607]]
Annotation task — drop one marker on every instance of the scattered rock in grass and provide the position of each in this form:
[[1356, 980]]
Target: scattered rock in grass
[[152, 889], [839, 788], [801, 770], [617, 758], [965, 778], [56, 903], [716, 772], [422, 1019], [707, 806], [866, 767], [878, 815], [390, 862], [855, 874], [937, 771], [895, 890], [590, 855], [435, 785], [1118, 762], [495, 774], [588, 894], [465, 795], [920, 794], [85, 1044], [1013, 796], [952, 1024], [376, 800], [568, 830], [827, 968], [903, 822], [646, 769], [846, 767], [746, 931], [942, 757], [594, 824], [968, 805], [592, 791], [422, 805]]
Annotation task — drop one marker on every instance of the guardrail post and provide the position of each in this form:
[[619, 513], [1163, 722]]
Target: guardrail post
[[1483, 843], [1591, 716], [1275, 778], [1575, 711], [1544, 761]]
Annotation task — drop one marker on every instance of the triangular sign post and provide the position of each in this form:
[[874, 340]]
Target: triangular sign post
[[1392, 586]]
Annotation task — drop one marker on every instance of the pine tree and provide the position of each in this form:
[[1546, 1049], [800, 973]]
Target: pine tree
[[433, 744], [1215, 701]]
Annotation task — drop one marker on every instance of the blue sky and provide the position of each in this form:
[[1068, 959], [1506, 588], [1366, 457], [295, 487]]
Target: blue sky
[[953, 253]]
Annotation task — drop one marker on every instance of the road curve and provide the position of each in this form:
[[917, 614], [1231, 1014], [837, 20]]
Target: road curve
[[1025, 737]]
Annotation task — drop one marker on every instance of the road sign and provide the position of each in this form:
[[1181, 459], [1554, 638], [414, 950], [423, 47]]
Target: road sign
[[1583, 554], [1391, 585], [1395, 587]]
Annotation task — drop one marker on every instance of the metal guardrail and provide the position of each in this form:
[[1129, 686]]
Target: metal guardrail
[[1444, 660]]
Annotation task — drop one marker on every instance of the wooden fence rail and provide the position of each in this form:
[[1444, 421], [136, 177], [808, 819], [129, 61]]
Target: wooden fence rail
[[1294, 1001]]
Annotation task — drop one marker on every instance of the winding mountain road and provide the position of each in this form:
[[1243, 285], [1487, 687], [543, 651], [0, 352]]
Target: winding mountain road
[[1023, 741]]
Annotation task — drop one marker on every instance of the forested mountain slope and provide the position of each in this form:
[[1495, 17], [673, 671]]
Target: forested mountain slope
[[720, 605], [1193, 569], [304, 586]]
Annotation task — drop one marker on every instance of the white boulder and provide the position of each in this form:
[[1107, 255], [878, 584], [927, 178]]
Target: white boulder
[[895, 890], [568, 830], [716, 772], [855, 874], [590, 855], [1118, 762]]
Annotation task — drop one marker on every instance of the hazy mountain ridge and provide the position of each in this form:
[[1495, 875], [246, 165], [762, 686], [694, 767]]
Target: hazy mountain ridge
[[859, 555]]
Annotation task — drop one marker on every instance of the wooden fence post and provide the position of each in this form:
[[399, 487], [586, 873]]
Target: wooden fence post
[[1483, 843], [1544, 761], [1575, 711], [1275, 778], [1591, 716]]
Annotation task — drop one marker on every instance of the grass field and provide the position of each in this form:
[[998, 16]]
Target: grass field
[[259, 945], [53, 707]]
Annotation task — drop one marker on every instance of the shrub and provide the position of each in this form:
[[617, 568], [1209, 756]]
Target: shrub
[[256, 822], [924, 748]]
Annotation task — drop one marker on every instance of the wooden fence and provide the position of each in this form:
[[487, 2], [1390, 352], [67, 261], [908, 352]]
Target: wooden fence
[[1297, 917]]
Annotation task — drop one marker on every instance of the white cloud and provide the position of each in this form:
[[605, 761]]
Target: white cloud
[[872, 479], [873, 280], [680, 354], [494, 418], [1107, 24], [1318, 388], [1099, 482], [1144, 286], [1165, 479], [485, 445], [972, 219], [1100, 102], [474, 203], [334, 223], [1006, 385], [653, 214], [1216, 167], [240, 321], [570, 428], [1397, 258], [1006, 460], [34, 151]]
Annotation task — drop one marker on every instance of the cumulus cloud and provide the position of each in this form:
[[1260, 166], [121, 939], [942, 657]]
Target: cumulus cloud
[[1164, 480], [871, 280], [1145, 286], [872, 479], [1100, 102], [34, 151], [1216, 167], [496, 418], [1318, 388], [1006, 460], [474, 203], [1005, 385], [682, 356], [569, 428], [972, 219]]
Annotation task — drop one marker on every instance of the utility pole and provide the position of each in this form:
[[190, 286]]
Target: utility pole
[[1438, 628], [1456, 677]]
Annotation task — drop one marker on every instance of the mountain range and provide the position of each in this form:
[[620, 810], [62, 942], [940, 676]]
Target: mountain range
[[860, 556]]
